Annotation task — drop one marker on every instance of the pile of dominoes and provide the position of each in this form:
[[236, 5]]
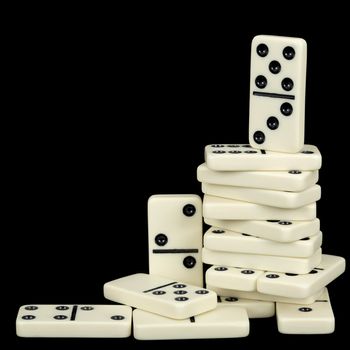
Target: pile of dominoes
[[264, 243]]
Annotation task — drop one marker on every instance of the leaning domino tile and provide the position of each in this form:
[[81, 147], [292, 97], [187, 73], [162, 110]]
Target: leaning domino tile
[[233, 278], [222, 322], [277, 93], [292, 180], [254, 308], [262, 262], [224, 240], [160, 295], [223, 292], [239, 157], [301, 286], [175, 237], [74, 321], [230, 209], [316, 318], [275, 230], [280, 199]]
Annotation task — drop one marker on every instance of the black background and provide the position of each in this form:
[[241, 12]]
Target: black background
[[110, 106]]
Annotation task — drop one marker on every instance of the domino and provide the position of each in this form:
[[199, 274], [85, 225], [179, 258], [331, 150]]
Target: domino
[[254, 308], [317, 318], [229, 241], [277, 93], [262, 262], [74, 321], [292, 180], [160, 295], [222, 322], [229, 209], [280, 199], [239, 157], [233, 278], [223, 292], [175, 237], [275, 230], [302, 286]]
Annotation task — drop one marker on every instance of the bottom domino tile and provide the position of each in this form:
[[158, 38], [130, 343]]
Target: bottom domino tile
[[222, 322], [316, 318], [74, 321], [265, 297], [254, 308]]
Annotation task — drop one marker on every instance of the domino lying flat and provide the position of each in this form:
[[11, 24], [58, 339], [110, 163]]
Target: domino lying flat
[[238, 157], [277, 93], [280, 199], [254, 308], [90, 321], [262, 262], [175, 237], [229, 241], [302, 286], [292, 180], [275, 230], [160, 295], [264, 297], [316, 318], [229, 209], [222, 322]]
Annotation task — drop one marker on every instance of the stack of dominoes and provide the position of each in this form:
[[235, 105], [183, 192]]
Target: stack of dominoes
[[260, 199], [264, 243]]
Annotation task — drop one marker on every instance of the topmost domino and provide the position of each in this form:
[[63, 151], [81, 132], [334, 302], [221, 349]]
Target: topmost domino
[[277, 93]]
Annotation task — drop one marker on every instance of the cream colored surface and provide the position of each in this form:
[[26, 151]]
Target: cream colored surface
[[280, 199], [230, 209], [94, 323], [278, 230], [318, 319], [143, 291], [262, 262], [222, 322], [229, 241]]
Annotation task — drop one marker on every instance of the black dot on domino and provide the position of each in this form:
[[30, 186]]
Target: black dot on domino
[[288, 53], [62, 308], [218, 231], [217, 146], [28, 317], [305, 309], [189, 210], [250, 152], [313, 272], [202, 291], [260, 82], [235, 152], [259, 137], [231, 299], [220, 268], [181, 298], [284, 223], [31, 307], [295, 172], [179, 285], [307, 152], [117, 317], [305, 239], [272, 123], [274, 67], [181, 291], [286, 109], [60, 317], [189, 262], [246, 234], [86, 308], [219, 152], [287, 84], [159, 292], [272, 275], [233, 146], [291, 274], [262, 50], [247, 272], [272, 220], [161, 239]]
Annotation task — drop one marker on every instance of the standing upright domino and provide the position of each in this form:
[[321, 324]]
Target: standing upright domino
[[277, 93], [175, 237]]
